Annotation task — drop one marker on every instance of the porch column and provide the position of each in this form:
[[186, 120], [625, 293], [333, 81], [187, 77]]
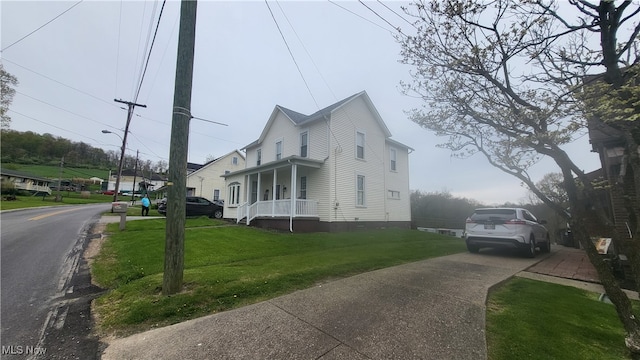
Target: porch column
[[258, 190], [273, 192], [294, 192], [247, 182]]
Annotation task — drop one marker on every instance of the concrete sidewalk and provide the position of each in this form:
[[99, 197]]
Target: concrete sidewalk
[[432, 309]]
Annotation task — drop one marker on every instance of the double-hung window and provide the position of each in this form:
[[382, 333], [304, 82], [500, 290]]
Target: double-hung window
[[279, 150], [393, 159], [258, 157], [360, 191], [360, 141], [303, 187], [234, 193], [304, 144]]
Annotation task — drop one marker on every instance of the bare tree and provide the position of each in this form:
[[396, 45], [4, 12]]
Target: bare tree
[[506, 79]]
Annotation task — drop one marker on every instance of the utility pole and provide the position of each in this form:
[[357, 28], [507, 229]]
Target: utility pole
[[177, 184], [131, 106], [135, 173], [59, 197]]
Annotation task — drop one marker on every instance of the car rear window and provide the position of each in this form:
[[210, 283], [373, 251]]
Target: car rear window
[[493, 215]]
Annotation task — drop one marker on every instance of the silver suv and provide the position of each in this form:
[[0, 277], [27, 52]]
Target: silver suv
[[506, 227]]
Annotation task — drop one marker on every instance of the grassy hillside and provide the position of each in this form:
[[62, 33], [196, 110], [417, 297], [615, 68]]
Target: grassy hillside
[[48, 171]]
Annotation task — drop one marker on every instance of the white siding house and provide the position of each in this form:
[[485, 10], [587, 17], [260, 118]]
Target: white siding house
[[336, 169], [208, 181]]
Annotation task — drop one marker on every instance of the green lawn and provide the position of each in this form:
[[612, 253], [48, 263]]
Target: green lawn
[[68, 198], [230, 266], [50, 171], [528, 319]]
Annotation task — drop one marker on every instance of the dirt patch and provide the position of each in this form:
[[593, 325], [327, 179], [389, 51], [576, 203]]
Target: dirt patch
[[95, 244]]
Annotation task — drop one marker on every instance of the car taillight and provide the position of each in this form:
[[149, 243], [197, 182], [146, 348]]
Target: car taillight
[[515, 222]]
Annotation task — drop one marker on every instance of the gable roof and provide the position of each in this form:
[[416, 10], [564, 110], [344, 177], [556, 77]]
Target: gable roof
[[299, 119], [209, 163], [23, 175]]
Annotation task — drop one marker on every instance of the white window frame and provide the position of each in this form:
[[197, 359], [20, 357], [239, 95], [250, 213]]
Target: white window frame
[[303, 187], [234, 160], [361, 202], [216, 194], [393, 194], [360, 134], [258, 157], [393, 159], [280, 143], [234, 194], [303, 134]]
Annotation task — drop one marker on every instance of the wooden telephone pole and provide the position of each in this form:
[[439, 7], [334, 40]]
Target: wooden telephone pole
[[177, 184]]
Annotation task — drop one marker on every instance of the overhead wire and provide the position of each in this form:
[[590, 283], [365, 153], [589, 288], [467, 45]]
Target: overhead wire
[[291, 54], [45, 24], [149, 53]]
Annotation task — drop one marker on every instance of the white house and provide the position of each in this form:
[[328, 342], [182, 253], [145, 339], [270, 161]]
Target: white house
[[337, 169], [26, 182], [207, 181]]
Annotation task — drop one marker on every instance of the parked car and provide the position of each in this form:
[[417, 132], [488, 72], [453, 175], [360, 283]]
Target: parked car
[[196, 206], [506, 227]]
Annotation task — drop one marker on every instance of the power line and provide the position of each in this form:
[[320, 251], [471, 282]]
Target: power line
[[47, 23], [400, 16], [61, 83], [291, 53], [383, 19], [65, 110], [150, 50], [360, 16], [57, 127]]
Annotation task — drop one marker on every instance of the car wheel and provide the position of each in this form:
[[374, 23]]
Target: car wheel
[[546, 248], [473, 248], [531, 249], [217, 214]]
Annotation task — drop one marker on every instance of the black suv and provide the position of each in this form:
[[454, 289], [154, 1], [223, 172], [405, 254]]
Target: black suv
[[197, 206]]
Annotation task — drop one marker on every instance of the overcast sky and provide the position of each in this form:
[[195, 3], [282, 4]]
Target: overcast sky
[[72, 69]]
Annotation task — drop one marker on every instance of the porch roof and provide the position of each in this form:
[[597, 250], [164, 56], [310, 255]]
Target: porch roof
[[286, 162]]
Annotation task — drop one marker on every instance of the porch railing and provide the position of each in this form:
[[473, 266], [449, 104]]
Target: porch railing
[[277, 208]]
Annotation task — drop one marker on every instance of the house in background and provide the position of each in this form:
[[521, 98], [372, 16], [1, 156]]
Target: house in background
[[26, 182], [610, 144], [144, 181], [206, 181], [337, 169]]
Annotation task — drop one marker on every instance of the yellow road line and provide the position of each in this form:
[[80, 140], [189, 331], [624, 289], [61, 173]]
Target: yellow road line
[[40, 217]]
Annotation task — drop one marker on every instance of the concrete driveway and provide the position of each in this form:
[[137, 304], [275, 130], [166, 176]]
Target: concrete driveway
[[431, 309]]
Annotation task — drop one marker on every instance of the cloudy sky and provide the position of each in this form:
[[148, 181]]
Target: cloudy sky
[[71, 70]]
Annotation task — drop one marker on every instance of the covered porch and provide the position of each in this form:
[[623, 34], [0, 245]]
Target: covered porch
[[278, 191]]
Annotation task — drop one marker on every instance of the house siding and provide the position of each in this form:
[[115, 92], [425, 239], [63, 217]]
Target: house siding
[[398, 209], [211, 176], [332, 143], [345, 122]]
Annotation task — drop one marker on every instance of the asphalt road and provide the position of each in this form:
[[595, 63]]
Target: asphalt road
[[45, 288]]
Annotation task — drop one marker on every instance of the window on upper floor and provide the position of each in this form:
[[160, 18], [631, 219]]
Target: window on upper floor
[[234, 160], [360, 141], [279, 150], [258, 157], [304, 143], [360, 191], [393, 158]]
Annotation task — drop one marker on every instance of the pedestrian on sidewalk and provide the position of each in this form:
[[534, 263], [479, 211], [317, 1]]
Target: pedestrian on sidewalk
[[145, 205]]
